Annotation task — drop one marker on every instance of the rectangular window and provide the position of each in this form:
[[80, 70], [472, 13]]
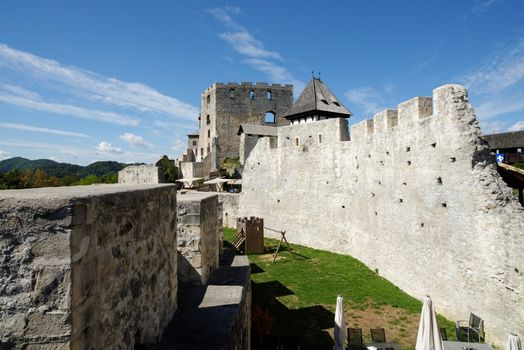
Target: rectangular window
[[296, 141], [208, 119], [319, 138], [194, 143], [208, 98], [202, 151], [209, 133]]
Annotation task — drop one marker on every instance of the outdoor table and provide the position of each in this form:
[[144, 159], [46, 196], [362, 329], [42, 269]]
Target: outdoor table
[[384, 346], [459, 345]]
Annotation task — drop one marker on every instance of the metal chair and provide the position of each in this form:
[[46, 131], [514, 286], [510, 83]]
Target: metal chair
[[378, 335], [355, 338], [475, 326]]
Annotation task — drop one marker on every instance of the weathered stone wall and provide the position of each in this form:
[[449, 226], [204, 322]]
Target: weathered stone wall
[[230, 208], [141, 174], [87, 266], [198, 236], [229, 105], [415, 195]]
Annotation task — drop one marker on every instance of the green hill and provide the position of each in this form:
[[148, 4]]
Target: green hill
[[60, 170]]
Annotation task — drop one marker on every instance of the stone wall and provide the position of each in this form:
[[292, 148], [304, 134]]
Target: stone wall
[[198, 236], [229, 105], [415, 194], [230, 208], [141, 174], [87, 266]]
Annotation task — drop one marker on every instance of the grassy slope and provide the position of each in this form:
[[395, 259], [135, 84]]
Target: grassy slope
[[300, 294]]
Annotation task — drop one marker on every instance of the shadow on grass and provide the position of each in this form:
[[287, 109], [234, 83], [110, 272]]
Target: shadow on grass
[[303, 327], [255, 268]]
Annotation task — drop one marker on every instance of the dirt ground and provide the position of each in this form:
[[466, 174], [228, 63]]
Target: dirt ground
[[401, 326]]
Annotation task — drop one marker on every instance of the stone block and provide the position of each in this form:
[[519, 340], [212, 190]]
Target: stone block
[[54, 324], [52, 287], [385, 120], [414, 109], [12, 324], [64, 345], [52, 245]]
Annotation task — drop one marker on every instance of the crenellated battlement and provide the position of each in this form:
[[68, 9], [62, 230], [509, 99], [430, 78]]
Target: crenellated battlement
[[407, 112], [247, 85], [415, 184]]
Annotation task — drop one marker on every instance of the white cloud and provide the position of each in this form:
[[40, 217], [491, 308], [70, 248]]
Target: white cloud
[[499, 72], [106, 147], [497, 84], [94, 86], [275, 73], [368, 99], [135, 140], [518, 126], [37, 104], [43, 130], [69, 153], [4, 155], [82, 154], [480, 6], [224, 16], [246, 44], [494, 107]]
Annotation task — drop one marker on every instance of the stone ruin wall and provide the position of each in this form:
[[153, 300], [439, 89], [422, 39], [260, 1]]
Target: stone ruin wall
[[230, 208], [415, 194], [141, 174], [87, 266], [228, 110], [198, 236]]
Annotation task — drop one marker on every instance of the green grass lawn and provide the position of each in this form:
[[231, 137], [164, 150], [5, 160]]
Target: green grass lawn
[[297, 297]]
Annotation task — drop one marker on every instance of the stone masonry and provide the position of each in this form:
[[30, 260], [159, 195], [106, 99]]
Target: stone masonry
[[415, 195], [87, 267], [198, 236], [141, 174], [226, 106]]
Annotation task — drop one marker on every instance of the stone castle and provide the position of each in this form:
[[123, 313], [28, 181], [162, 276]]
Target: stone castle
[[223, 108], [414, 193]]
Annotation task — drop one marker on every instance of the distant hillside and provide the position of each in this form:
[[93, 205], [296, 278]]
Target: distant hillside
[[60, 170]]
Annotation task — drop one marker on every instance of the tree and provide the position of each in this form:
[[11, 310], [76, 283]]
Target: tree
[[170, 170]]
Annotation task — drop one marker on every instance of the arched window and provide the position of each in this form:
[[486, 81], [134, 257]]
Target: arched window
[[208, 119], [270, 118], [268, 94], [232, 93], [251, 95]]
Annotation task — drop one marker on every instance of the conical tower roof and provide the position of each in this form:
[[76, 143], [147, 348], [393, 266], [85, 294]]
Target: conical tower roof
[[317, 99]]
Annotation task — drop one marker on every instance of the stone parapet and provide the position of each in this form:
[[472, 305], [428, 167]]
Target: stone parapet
[[198, 236], [141, 174], [87, 267]]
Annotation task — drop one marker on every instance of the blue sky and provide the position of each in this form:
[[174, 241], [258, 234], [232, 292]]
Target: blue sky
[[82, 81]]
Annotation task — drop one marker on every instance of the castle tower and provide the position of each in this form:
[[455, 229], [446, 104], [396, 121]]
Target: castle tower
[[226, 106], [316, 102]]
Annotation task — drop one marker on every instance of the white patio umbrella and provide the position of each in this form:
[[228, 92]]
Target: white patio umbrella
[[513, 342], [428, 337], [341, 332]]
